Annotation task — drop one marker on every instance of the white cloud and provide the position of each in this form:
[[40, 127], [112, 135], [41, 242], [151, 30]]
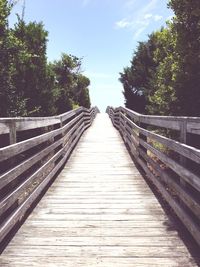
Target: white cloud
[[148, 16], [139, 20], [143, 23], [124, 23], [157, 17]]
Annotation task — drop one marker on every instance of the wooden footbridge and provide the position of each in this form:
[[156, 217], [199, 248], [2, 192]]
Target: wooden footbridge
[[93, 207]]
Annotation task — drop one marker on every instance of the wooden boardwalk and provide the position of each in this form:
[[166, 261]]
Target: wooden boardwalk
[[98, 212]]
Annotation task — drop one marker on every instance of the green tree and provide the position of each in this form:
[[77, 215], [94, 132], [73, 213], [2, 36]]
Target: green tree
[[81, 93], [6, 86], [64, 70], [71, 85], [137, 79], [163, 99], [31, 76], [186, 26], [176, 84], [166, 68], [29, 86], [133, 100]]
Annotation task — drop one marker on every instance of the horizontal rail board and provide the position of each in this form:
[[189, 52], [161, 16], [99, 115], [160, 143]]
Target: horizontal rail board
[[151, 151], [183, 216], [23, 123], [183, 149], [16, 183], [26, 123], [184, 195], [25, 165], [187, 175], [15, 149]]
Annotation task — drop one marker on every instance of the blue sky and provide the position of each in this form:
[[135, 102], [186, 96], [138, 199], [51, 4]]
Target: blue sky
[[104, 33]]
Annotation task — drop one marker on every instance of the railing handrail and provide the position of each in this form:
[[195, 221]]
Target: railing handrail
[[192, 124], [24, 123], [151, 116], [175, 169], [28, 166]]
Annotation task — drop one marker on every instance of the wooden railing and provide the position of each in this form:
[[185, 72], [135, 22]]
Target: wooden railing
[[171, 165], [38, 149]]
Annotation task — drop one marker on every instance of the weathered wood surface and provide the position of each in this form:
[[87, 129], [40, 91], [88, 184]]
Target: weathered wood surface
[[173, 167], [27, 174], [98, 212], [27, 123]]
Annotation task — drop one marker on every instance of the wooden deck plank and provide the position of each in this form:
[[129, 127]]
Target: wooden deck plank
[[94, 232], [167, 226], [106, 251], [99, 212], [52, 261]]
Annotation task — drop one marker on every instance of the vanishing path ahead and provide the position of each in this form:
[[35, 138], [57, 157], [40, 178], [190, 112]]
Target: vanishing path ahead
[[98, 212]]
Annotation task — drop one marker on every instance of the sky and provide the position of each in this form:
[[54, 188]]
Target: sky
[[104, 33]]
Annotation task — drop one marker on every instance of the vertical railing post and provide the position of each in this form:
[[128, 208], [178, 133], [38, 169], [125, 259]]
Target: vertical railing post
[[13, 140], [83, 117], [61, 122], [124, 130], [183, 136], [63, 135], [12, 132], [121, 126], [142, 137], [183, 139]]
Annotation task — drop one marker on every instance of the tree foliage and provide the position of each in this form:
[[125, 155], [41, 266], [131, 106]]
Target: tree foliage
[[163, 99], [137, 79], [71, 85], [5, 59], [29, 85], [186, 25], [169, 74]]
